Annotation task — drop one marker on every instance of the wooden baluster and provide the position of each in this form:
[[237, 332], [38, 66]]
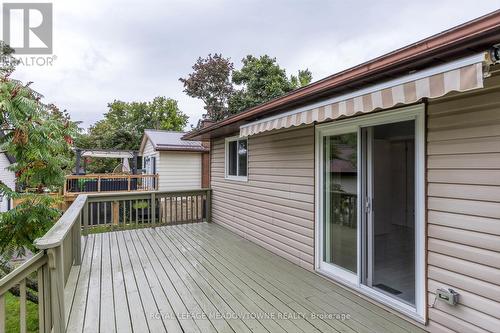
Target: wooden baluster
[[22, 306], [115, 211], [2, 313], [182, 209], [164, 208], [129, 179], [98, 204], [41, 300], [192, 207], [209, 206], [46, 299], [77, 242], [142, 211], [124, 208], [197, 208], [153, 208], [136, 213], [98, 183], [86, 218]]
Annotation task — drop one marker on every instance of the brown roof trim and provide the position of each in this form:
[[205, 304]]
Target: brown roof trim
[[182, 148], [426, 48]]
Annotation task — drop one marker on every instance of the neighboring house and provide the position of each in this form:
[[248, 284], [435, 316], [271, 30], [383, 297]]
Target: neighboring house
[[424, 123], [8, 178], [178, 163]]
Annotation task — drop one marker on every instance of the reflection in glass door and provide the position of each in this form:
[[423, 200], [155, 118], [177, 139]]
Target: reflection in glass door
[[340, 197]]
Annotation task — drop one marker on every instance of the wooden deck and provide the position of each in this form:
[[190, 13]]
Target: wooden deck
[[203, 278]]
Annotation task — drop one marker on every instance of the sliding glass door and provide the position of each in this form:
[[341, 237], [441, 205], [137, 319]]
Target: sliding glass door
[[389, 217], [370, 208]]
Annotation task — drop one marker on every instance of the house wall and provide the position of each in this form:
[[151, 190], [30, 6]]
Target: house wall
[[179, 170], [176, 170], [7, 177], [149, 150], [464, 208], [275, 207]]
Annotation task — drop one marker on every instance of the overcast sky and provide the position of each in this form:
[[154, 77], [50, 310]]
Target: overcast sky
[[136, 50]]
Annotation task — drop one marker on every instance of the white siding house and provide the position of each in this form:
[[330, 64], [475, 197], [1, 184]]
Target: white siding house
[[8, 178], [178, 163]]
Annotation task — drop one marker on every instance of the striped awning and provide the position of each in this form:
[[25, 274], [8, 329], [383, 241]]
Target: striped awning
[[406, 90]]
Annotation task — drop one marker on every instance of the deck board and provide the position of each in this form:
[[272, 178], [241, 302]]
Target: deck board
[[203, 278], [121, 315]]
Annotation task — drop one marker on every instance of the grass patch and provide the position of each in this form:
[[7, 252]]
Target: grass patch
[[12, 315], [116, 227]]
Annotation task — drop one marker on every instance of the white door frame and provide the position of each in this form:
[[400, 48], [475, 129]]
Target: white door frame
[[417, 113]]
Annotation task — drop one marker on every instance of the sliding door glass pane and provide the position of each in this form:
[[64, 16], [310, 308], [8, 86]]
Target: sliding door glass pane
[[242, 158], [394, 209], [340, 201], [232, 158]]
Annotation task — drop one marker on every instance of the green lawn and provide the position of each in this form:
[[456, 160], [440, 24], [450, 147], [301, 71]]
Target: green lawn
[[12, 315], [109, 227]]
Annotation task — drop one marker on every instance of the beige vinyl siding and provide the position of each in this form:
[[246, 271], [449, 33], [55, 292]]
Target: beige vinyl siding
[[464, 209], [179, 170], [149, 149], [275, 207]]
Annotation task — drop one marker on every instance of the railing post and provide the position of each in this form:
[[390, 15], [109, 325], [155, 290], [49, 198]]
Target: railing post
[[98, 183], [57, 288], [209, 206], [129, 179], [153, 208]]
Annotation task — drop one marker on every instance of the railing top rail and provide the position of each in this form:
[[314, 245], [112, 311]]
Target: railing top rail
[[108, 175], [94, 196], [21, 272], [56, 234], [138, 195]]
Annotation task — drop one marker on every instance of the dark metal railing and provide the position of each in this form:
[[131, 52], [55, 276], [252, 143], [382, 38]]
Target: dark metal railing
[[97, 183]]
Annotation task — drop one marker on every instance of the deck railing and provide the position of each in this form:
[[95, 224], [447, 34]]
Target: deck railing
[[97, 183], [60, 248]]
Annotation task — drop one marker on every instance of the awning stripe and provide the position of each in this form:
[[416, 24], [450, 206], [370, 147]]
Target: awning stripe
[[459, 79]]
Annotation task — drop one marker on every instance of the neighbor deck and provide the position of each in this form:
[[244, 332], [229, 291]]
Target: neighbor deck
[[203, 278]]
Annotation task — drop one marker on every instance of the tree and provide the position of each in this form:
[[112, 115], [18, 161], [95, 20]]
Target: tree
[[124, 124], [262, 79], [303, 78], [7, 60], [38, 136], [210, 81]]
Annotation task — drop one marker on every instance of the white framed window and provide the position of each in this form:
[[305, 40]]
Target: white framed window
[[236, 158]]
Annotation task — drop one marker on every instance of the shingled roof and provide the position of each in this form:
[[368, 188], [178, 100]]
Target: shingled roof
[[171, 141]]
